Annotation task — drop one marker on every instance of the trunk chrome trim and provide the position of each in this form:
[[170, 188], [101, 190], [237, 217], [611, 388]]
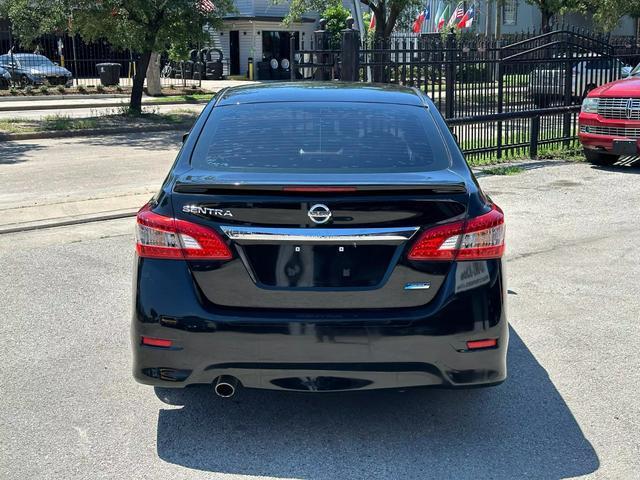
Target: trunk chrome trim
[[262, 234]]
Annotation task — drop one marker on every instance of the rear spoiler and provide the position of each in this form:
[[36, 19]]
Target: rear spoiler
[[306, 190]]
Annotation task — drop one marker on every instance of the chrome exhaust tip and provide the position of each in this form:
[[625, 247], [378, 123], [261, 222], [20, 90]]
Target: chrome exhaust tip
[[225, 386]]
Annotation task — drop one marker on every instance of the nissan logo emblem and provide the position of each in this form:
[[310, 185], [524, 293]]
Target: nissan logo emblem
[[319, 213]]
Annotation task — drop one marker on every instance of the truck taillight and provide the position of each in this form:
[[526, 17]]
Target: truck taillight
[[478, 238], [158, 236]]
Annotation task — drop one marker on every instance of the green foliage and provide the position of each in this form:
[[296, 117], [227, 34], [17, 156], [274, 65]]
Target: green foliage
[[44, 90], [100, 88], [388, 11], [506, 170], [61, 89], [82, 89], [33, 18], [336, 16], [147, 25], [607, 13], [178, 51], [550, 8]]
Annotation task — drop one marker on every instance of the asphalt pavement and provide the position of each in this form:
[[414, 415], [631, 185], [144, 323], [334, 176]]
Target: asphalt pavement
[[70, 408]]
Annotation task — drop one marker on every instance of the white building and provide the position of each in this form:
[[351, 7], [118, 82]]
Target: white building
[[256, 31]]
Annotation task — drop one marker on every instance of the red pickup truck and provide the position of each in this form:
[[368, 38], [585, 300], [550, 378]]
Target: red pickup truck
[[609, 121]]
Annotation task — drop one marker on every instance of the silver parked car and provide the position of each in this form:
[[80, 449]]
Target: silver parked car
[[547, 84], [33, 69], [5, 79]]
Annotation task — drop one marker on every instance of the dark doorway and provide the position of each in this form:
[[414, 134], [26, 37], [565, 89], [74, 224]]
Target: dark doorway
[[275, 44], [234, 52]]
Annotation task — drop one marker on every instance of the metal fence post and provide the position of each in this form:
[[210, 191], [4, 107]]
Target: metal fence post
[[450, 87], [321, 38], [13, 66], [292, 55], [500, 105], [535, 134], [568, 87], [350, 54]]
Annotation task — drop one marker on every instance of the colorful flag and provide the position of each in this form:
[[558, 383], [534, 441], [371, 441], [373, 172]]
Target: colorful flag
[[467, 20], [372, 23], [420, 19], [457, 14], [206, 6], [438, 14], [443, 16]]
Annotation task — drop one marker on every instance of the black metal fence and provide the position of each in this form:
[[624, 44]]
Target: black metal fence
[[501, 97], [68, 61]]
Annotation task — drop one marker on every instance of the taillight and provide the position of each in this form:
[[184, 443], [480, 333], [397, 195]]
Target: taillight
[[158, 236], [478, 238]]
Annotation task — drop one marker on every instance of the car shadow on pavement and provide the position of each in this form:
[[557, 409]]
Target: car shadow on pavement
[[521, 429], [14, 152]]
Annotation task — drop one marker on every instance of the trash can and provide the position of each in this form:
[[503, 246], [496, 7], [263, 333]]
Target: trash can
[[109, 73]]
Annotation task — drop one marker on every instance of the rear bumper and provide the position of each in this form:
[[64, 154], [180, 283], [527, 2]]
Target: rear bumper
[[317, 351]]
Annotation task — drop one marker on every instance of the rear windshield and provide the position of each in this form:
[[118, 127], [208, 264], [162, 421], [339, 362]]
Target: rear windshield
[[320, 138]]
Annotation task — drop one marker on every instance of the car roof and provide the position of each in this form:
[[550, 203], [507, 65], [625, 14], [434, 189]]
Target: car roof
[[319, 92]]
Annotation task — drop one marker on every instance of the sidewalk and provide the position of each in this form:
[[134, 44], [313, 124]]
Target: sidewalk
[[96, 101], [54, 181]]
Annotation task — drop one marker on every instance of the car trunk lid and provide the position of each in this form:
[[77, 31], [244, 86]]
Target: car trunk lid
[[304, 242]]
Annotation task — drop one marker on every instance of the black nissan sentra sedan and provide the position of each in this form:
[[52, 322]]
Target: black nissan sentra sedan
[[319, 237]]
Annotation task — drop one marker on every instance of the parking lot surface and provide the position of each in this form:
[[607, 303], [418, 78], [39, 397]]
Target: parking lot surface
[[570, 407]]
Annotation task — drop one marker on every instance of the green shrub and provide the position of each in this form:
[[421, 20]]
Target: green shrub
[[44, 90], [13, 91], [82, 89], [119, 89], [100, 88], [28, 90], [61, 89]]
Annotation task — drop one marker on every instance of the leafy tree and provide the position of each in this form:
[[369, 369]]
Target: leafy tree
[[386, 12], [146, 26], [607, 13], [549, 9], [33, 18], [143, 26], [336, 16]]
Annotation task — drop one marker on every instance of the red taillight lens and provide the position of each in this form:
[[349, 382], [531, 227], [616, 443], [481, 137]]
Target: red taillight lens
[[478, 238], [486, 343], [156, 342], [165, 237], [320, 189]]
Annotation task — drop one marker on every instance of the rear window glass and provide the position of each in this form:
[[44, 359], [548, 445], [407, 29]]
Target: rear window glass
[[320, 138]]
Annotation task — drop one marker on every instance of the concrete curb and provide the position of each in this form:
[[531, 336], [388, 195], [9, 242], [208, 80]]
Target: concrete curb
[[89, 96], [92, 132], [24, 108], [65, 223]]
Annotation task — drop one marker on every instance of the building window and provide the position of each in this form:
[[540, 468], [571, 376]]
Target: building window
[[510, 12]]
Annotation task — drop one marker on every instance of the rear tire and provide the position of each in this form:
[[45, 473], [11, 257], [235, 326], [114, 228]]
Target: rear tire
[[600, 158]]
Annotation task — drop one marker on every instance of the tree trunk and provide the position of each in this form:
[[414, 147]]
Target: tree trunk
[[546, 21], [380, 42], [135, 103], [153, 76]]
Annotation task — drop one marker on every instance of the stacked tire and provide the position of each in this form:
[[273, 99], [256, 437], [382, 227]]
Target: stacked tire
[[212, 59]]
